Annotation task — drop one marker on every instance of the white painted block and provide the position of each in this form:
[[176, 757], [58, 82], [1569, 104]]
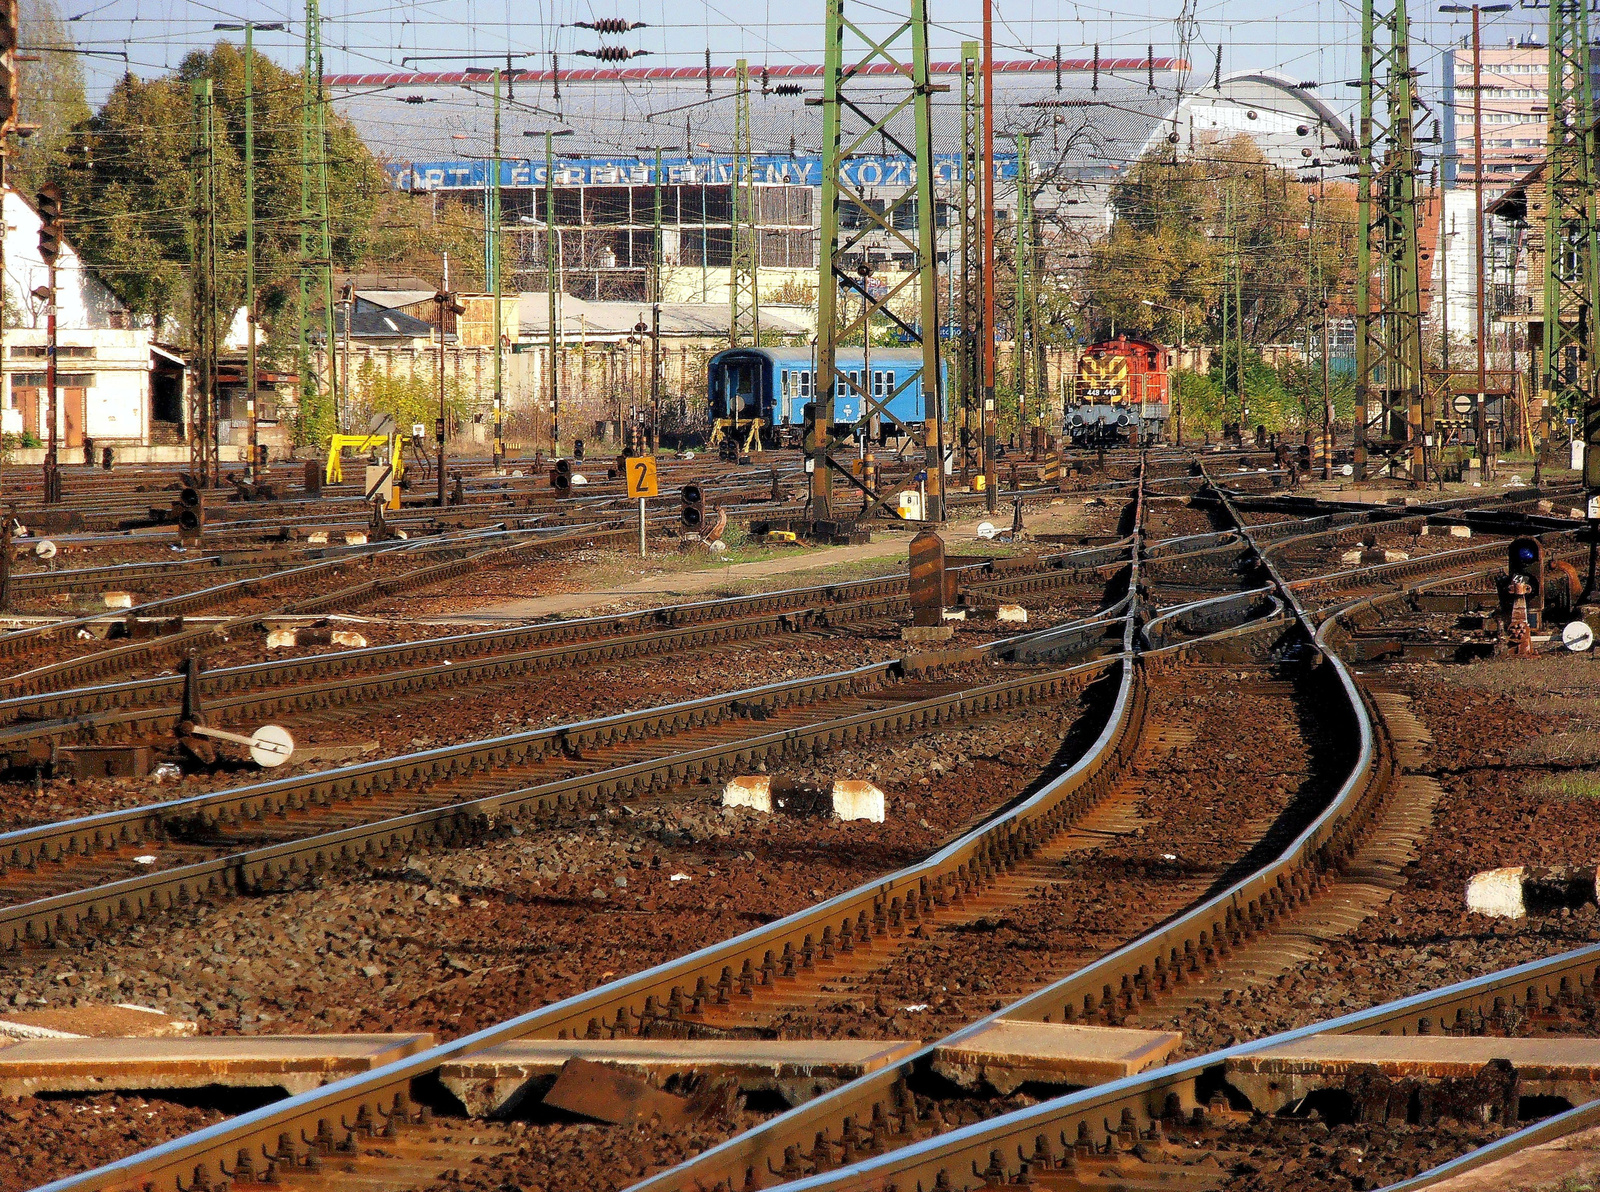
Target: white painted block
[[317, 538], [348, 637], [280, 639], [1351, 558], [354, 538], [1461, 531], [955, 614], [1498, 892], [854, 799], [117, 599], [1013, 612], [749, 790], [1395, 556]]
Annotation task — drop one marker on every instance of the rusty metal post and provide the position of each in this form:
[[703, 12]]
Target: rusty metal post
[[927, 581], [5, 561]]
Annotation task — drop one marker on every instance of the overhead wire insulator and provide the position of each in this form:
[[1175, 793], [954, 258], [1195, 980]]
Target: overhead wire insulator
[[788, 89], [1095, 85], [766, 82], [1058, 67], [612, 53], [1216, 76], [610, 25], [555, 72], [708, 70]]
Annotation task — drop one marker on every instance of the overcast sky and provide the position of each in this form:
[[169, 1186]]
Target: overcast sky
[[1306, 39]]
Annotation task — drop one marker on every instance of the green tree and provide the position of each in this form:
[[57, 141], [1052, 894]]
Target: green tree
[[1177, 221], [130, 197], [52, 96]]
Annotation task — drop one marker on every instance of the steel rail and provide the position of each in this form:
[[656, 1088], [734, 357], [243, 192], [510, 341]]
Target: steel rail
[[451, 660], [45, 919], [881, 908], [1102, 990]]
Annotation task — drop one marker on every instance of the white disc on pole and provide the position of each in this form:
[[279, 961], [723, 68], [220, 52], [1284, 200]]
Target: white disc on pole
[[1577, 637], [986, 530], [45, 549], [270, 746], [1347, 470]]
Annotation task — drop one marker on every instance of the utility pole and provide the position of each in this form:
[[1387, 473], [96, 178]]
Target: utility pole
[[1023, 332], [838, 190], [1388, 287], [969, 369], [657, 264], [10, 90], [1481, 424], [314, 218], [1222, 315], [50, 236], [202, 459], [744, 291], [250, 242], [1571, 251], [991, 498], [552, 243], [249, 28], [492, 235]]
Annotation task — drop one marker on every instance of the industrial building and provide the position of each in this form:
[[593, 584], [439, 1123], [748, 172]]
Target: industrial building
[[1089, 119]]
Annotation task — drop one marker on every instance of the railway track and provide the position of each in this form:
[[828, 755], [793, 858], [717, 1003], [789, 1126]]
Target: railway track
[[718, 988]]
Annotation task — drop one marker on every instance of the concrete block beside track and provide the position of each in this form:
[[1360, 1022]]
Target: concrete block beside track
[[497, 1080], [1563, 1066], [1007, 1054], [294, 1063]]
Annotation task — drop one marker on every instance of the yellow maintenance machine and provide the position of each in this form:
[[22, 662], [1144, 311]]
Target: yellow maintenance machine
[[387, 474]]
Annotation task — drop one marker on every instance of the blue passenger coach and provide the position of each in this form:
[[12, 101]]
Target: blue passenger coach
[[759, 394]]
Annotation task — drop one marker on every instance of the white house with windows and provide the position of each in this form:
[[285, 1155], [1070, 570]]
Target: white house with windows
[[115, 386]]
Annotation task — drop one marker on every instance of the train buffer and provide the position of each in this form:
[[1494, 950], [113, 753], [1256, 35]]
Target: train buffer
[[294, 1063]]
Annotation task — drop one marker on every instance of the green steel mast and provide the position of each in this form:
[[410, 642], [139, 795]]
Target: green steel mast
[[969, 369], [1389, 395], [744, 299], [890, 113], [1571, 251], [1023, 332]]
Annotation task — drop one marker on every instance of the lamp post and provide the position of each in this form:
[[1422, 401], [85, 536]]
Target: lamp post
[[1481, 427], [249, 28], [551, 241], [1183, 335]]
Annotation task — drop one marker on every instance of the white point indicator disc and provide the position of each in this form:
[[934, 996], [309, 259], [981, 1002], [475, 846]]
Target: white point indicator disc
[[45, 549], [986, 530], [270, 746], [1577, 637]]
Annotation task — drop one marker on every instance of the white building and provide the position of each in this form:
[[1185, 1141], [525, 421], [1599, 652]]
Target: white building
[[115, 387]]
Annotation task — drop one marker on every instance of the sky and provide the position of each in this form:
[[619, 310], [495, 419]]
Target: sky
[[1309, 40]]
